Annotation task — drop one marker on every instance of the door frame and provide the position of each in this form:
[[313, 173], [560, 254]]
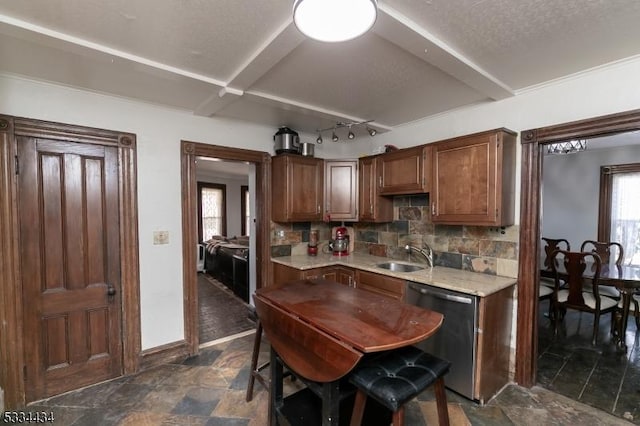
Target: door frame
[[262, 161], [11, 336], [530, 202]]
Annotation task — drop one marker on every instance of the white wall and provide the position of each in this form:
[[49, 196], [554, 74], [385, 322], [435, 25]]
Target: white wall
[[571, 189], [159, 131]]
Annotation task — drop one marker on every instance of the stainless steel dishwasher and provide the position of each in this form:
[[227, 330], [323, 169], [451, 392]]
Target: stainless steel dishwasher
[[456, 339]]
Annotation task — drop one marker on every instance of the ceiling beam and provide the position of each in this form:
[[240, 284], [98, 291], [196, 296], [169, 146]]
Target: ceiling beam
[[330, 116], [275, 48], [45, 36], [406, 34]]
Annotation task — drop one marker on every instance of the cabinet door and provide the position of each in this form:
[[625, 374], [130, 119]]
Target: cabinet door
[[372, 206], [473, 180], [282, 273], [381, 284], [297, 188], [339, 274], [313, 274], [403, 171], [341, 190]]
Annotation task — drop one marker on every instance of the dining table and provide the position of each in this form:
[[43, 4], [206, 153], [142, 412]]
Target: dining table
[[320, 329], [625, 278]]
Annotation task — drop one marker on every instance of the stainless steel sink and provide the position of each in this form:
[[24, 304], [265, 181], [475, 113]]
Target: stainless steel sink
[[399, 267]]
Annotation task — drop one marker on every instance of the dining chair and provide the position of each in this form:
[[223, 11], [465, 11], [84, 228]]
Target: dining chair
[[551, 246], [545, 285], [574, 296], [604, 250]]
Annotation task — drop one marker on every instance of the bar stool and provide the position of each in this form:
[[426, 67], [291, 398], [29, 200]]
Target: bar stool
[[397, 376], [256, 369]]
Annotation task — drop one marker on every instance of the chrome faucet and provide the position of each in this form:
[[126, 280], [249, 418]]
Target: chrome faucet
[[427, 252]]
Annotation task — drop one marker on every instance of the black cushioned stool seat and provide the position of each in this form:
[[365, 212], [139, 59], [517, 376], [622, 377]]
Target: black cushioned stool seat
[[394, 377]]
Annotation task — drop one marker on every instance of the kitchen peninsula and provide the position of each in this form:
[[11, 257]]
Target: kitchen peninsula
[[473, 283], [487, 328]]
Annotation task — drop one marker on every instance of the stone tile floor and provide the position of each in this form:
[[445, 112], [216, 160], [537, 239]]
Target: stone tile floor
[[600, 376], [209, 389]]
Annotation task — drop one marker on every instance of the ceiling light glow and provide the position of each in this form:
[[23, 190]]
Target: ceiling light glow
[[334, 20]]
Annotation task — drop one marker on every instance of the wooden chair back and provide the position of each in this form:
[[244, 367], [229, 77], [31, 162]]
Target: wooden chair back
[[306, 350], [553, 245], [572, 271], [603, 249]]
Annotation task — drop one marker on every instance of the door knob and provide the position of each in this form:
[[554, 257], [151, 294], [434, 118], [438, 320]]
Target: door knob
[[111, 291]]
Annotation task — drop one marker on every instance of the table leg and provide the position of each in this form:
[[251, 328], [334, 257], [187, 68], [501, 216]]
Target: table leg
[[330, 403], [622, 327], [276, 393]]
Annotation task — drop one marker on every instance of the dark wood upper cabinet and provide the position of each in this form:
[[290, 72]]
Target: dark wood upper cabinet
[[297, 188], [372, 207], [341, 190], [406, 171], [474, 179]]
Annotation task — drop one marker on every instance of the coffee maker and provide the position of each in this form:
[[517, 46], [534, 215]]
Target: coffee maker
[[341, 242]]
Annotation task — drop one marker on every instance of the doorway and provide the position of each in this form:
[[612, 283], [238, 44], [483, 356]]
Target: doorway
[[530, 208], [226, 232], [261, 162]]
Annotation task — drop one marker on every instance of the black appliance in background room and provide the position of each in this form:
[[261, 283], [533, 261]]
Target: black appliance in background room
[[200, 257], [241, 275]]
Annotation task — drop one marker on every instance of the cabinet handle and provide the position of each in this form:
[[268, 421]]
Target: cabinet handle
[[379, 181], [371, 208], [433, 208], [318, 210]]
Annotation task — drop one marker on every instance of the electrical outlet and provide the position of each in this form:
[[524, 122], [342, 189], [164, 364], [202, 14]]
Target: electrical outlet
[[160, 237]]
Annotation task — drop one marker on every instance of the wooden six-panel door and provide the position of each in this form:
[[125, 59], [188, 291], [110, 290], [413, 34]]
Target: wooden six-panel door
[[69, 243]]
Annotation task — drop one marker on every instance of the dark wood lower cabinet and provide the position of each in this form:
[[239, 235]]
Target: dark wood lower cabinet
[[381, 284], [495, 313], [339, 274]]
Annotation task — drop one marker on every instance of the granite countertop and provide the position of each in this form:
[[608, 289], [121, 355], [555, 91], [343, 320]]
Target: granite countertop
[[468, 282]]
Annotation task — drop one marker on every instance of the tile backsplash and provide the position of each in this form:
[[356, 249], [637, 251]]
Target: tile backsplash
[[475, 248]]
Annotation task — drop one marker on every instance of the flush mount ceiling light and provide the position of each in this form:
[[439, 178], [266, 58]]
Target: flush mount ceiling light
[[567, 147], [334, 20]]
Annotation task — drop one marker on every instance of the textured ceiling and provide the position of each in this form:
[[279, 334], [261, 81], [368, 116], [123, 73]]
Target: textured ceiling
[[246, 60]]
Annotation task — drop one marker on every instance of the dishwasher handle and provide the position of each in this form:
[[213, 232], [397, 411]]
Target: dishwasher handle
[[444, 296]]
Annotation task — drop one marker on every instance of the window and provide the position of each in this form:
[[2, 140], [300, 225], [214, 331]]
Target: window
[[211, 210], [619, 215], [245, 209]]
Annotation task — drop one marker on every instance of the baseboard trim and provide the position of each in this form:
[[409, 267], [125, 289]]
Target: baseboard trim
[[164, 354], [227, 339]]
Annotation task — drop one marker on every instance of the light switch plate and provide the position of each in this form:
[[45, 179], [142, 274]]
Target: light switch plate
[[160, 237]]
